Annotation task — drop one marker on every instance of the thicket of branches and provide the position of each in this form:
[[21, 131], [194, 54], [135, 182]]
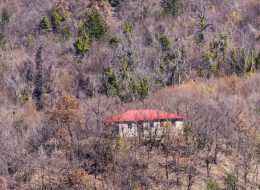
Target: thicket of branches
[[65, 65]]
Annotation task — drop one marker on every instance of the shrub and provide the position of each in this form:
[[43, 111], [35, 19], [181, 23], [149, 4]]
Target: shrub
[[212, 185], [251, 65], [6, 16], [112, 82], [164, 43], [114, 41], [143, 88], [230, 181], [46, 24], [173, 7], [82, 44], [214, 69], [65, 33], [56, 19], [128, 28], [163, 70], [257, 62], [94, 26], [2, 37]]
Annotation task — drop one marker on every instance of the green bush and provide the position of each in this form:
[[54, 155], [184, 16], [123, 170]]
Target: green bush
[[82, 45], [212, 185], [257, 62], [112, 82], [251, 65], [173, 7], [94, 26], [163, 70], [214, 69], [65, 33], [165, 43], [114, 41], [124, 67], [46, 24], [128, 28], [56, 19], [230, 181], [2, 38], [143, 88], [6, 16]]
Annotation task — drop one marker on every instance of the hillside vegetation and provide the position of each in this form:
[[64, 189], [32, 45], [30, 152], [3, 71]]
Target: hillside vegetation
[[65, 65]]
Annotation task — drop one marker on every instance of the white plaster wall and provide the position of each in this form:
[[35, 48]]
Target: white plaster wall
[[178, 124], [125, 131]]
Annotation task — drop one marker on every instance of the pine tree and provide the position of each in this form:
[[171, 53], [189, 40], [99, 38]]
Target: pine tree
[[82, 45], [244, 60], [174, 7], [234, 61], [56, 19], [257, 62], [250, 68], [46, 24]]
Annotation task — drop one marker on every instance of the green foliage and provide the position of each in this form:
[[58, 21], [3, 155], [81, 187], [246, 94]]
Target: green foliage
[[163, 70], [212, 185], [114, 41], [65, 33], [173, 7], [221, 43], [143, 88], [112, 82], [230, 181], [124, 68], [46, 24], [82, 45], [257, 62], [56, 19], [23, 98], [6, 16], [244, 60], [234, 60], [2, 38], [128, 28], [250, 68], [94, 26], [214, 69], [165, 43], [139, 88]]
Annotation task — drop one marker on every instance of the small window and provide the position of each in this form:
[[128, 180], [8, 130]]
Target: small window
[[130, 126], [152, 124]]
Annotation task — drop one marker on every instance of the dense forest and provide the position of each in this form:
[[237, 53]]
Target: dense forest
[[65, 65]]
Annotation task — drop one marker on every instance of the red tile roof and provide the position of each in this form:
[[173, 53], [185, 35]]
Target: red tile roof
[[142, 115]]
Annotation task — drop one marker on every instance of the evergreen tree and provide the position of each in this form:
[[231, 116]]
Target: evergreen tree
[[94, 26], [244, 60], [56, 19], [234, 61], [173, 7], [82, 45], [6, 16], [46, 24], [251, 65]]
